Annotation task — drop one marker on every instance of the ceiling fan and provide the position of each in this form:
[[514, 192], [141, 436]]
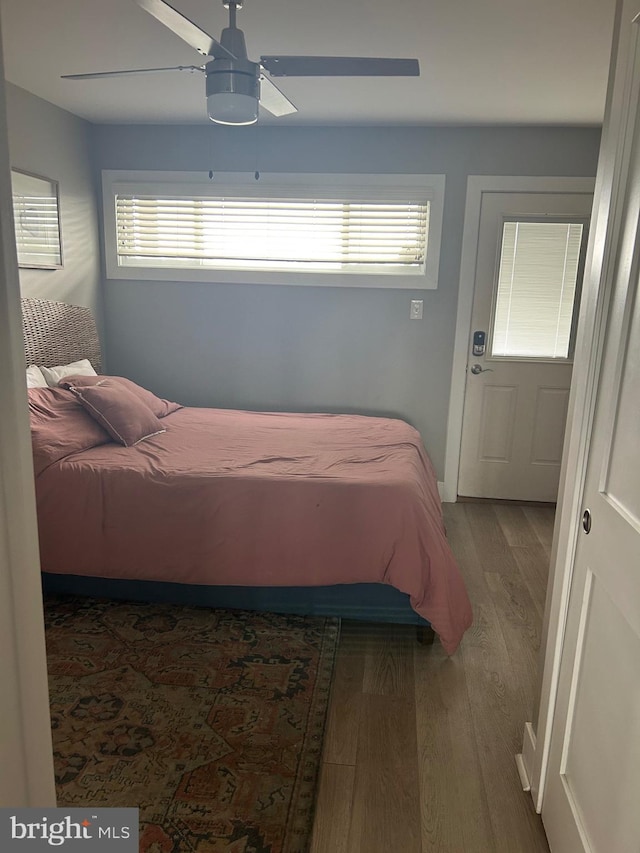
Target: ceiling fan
[[234, 84]]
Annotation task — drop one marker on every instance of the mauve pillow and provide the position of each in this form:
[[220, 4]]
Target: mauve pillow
[[158, 406], [126, 418], [60, 427]]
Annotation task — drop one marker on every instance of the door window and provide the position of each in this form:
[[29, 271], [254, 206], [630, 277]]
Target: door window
[[538, 283]]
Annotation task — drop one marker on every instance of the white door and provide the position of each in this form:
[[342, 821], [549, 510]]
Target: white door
[[527, 284], [592, 795]]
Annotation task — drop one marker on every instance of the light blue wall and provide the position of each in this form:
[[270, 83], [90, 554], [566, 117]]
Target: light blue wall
[[48, 141], [326, 349]]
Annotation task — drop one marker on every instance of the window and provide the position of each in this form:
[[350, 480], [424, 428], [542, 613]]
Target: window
[[538, 278], [382, 232]]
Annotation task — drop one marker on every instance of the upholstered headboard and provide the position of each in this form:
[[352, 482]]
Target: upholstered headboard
[[57, 333]]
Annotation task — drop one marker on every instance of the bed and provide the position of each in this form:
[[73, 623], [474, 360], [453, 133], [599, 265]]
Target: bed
[[303, 513]]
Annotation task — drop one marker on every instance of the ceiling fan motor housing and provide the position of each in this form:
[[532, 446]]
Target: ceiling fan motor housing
[[233, 91]]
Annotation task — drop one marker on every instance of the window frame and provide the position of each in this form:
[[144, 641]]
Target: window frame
[[363, 187], [585, 222]]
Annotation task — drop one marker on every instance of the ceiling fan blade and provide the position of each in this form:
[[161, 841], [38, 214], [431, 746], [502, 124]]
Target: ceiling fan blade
[[273, 100], [339, 66], [186, 29], [98, 74]]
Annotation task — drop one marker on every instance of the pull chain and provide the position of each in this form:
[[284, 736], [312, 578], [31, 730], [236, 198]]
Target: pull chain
[[256, 174]]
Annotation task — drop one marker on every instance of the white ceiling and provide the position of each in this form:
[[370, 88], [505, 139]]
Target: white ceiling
[[481, 61]]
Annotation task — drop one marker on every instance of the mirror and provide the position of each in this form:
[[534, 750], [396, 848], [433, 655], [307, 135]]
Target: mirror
[[36, 213]]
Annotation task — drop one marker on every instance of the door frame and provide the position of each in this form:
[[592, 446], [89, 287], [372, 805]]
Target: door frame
[[26, 774], [477, 186]]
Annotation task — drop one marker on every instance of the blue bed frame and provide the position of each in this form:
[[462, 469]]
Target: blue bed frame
[[369, 602]]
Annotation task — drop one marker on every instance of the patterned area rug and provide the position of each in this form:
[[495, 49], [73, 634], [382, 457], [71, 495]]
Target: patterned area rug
[[209, 721]]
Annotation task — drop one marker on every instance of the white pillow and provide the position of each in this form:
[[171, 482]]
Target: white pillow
[[77, 368], [35, 379]]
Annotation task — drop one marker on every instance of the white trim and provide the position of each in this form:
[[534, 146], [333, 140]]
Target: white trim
[[477, 185], [380, 187], [26, 755], [528, 752], [522, 773]]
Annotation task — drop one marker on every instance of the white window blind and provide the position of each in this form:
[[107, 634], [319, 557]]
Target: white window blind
[[279, 233], [537, 285], [37, 227]]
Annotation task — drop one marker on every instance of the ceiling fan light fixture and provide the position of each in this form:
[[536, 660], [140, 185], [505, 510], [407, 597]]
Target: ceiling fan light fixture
[[233, 92], [232, 108]]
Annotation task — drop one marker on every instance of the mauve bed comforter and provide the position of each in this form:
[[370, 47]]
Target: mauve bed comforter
[[246, 498]]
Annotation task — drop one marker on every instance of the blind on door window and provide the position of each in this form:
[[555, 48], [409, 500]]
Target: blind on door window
[[537, 284], [271, 233]]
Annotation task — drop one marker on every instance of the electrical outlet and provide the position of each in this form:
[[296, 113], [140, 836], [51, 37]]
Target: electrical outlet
[[415, 312]]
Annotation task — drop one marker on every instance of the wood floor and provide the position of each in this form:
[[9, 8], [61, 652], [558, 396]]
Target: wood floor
[[419, 748]]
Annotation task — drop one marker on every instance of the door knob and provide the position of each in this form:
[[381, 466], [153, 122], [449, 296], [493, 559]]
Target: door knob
[[478, 368]]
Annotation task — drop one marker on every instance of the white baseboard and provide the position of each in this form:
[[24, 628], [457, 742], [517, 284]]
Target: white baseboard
[[522, 773], [441, 489], [525, 759]]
